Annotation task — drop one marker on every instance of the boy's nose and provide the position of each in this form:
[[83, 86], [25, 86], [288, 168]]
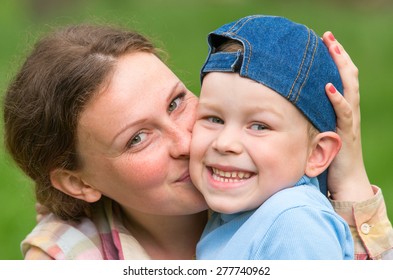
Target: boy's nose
[[228, 142]]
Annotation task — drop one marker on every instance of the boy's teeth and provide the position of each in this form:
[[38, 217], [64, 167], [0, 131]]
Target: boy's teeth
[[236, 175], [224, 179]]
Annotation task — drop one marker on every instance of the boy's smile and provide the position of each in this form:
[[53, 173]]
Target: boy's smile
[[227, 177], [230, 176]]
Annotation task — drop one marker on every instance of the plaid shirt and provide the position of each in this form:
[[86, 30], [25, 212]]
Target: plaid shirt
[[104, 237], [371, 229]]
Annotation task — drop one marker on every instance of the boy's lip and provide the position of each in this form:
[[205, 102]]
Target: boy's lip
[[228, 168]]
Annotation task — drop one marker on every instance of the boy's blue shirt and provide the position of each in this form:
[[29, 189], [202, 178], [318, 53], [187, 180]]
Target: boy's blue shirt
[[295, 223]]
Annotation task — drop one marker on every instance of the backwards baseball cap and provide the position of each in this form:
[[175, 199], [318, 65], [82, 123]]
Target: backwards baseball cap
[[285, 56]]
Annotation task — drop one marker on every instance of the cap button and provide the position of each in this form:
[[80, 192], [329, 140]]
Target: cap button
[[365, 228]]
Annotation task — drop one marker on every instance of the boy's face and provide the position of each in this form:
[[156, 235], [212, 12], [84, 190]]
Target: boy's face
[[248, 143]]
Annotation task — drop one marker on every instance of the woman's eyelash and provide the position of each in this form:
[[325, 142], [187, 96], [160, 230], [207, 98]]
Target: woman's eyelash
[[141, 136], [136, 139], [174, 105]]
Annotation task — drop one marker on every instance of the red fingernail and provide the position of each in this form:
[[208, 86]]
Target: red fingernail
[[337, 50], [331, 37], [332, 89]]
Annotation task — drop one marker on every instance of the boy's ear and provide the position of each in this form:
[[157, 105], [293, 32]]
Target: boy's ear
[[325, 147], [70, 183]]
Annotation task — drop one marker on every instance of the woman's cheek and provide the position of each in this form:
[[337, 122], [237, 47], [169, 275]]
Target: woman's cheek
[[144, 172]]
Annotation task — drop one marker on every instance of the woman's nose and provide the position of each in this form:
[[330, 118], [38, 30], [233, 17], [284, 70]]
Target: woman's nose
[[180, 141]]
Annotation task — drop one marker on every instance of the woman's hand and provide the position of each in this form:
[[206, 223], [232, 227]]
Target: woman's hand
[[347, 177]]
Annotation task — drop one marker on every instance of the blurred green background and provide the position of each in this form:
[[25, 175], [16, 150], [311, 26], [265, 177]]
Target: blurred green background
[[180, 27]]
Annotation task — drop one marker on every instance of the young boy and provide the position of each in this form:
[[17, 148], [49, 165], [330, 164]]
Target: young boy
[[265, 130]]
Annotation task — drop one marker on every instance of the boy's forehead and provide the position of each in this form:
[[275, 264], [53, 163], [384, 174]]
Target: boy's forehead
[[220, 88]]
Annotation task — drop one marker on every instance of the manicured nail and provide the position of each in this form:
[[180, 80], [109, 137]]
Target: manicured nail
[[331, 37], [337, 50], [332, 89]]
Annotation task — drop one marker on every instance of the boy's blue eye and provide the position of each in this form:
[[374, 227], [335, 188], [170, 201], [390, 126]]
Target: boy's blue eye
[[258, 126], [215, 120]]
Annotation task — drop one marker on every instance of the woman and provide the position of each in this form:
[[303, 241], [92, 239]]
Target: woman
[[103, 128]]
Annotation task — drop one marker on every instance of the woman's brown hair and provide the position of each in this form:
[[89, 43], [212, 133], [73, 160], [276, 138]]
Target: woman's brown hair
[[45, 99]]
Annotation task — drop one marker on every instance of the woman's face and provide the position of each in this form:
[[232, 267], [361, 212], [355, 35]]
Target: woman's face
[[134, 139]]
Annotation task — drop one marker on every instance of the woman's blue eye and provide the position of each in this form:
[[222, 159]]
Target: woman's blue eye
[[258, 126], [215, 120], [175, 103], [137, 139]]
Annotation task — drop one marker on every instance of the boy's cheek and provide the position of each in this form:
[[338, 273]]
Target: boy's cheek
[[202, 140]]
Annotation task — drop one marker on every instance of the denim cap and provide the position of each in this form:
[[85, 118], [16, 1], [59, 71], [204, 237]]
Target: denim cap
[[285, 56]]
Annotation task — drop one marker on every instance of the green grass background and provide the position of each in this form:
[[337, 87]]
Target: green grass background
[[180, 27]]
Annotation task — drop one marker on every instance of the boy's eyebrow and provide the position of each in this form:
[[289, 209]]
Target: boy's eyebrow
[[209, 106], [205, 104], [269, 109], [253, 108]]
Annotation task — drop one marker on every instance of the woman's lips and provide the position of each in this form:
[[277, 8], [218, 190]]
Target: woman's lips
[[184, 178]]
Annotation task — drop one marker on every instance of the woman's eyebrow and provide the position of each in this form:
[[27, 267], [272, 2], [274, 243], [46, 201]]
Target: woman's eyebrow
[[173, 90], [125, 128]]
